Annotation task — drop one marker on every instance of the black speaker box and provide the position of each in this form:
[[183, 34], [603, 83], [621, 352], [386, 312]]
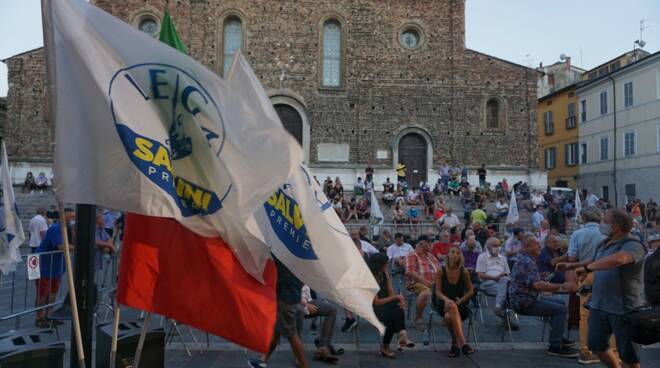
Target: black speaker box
[[153, 353], [31, 348]]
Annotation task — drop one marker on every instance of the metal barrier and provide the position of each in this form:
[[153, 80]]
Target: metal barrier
[[427, 228], [22, 293]]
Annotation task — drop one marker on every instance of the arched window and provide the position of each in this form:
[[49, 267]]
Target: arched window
[[232, 40], [493, 114], [331, 54]]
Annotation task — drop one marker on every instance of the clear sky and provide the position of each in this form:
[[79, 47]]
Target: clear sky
[[523, 31]]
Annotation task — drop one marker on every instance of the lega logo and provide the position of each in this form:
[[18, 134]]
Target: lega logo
[[172, 131], [287, 223]]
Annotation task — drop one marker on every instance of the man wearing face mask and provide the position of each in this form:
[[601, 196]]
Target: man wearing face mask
[[493, 271], [617, 288]]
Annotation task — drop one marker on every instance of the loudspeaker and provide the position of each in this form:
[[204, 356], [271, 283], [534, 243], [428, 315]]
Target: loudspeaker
[[153, 353], [31, 348]]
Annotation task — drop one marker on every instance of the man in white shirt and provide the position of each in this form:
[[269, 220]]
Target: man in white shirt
[[537, 200], [592, 199], [493, 271], [38, 226], [413, 197], [450, 218], [366, 247], [398, 251]]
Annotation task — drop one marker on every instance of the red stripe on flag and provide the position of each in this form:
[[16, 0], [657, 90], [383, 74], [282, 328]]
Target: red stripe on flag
[[169, 270]]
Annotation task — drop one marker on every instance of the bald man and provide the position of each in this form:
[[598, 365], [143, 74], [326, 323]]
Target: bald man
[[525, 296]]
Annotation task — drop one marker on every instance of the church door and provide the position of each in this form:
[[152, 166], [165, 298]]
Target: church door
[[412, 153], [291, 120]]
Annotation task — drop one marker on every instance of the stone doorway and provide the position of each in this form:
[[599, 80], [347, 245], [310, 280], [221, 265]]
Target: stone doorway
[[413, 154]]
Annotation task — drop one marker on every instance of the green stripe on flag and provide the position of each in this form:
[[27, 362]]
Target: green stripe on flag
[[168, 34]]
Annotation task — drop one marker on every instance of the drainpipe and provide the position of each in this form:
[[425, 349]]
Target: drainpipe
[[616, 191]]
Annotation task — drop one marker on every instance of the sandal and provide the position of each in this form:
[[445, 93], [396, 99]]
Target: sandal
[[334, 351], [454, 352], [42, 323], [326, 358], [408, 344], [467, 349], [387, 355]]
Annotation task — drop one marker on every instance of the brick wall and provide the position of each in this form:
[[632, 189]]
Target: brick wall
[[28, 133], [441, 87]]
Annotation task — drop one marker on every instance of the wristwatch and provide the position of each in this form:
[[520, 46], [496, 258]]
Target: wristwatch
[[586, 268]]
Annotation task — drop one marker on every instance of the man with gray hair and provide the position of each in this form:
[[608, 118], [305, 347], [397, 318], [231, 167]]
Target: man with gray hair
[[582, 247], [493, 271]]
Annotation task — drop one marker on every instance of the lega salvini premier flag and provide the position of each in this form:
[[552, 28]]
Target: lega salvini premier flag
[[143, 128], [169, 270], [11, 229], [306, 235], [304, 232]]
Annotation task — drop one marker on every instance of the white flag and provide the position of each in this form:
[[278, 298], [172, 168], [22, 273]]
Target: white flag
[[306, 235], [143, 128], [578, 206], [513, 215], [376, 217], [11, 231]]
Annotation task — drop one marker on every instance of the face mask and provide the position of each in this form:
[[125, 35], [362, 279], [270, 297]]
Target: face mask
[[605, 229]]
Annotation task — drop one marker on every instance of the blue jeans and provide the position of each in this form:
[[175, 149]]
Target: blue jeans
[[553, 308]]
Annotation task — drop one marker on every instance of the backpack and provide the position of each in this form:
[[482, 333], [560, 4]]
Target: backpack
[[643, 325]]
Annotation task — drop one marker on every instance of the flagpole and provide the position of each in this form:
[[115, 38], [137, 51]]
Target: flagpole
[[115, 333], [143, 335], [72, 290]]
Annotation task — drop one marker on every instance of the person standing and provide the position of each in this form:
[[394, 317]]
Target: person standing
[[400, 172], [482, 175], [53, 215], [52, 267], [618, 288], [443, 172], [582, 247], [652, 271], [537, 218], [38, 227], [109, 221], [289, 295]]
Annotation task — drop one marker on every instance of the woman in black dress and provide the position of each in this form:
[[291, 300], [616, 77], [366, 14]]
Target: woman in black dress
[[388, 306], [453, 290]]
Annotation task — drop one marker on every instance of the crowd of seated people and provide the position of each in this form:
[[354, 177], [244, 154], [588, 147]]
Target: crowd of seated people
[[445, 268]]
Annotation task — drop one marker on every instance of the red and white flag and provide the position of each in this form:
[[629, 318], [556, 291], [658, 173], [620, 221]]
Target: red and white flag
[[169, 270]]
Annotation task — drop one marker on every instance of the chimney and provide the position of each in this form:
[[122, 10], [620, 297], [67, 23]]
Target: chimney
[[568, 63]]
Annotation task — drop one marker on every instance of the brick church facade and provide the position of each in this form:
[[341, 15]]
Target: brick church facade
[[358, 83]]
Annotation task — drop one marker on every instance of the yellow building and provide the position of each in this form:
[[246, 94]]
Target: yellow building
[[558, 136]]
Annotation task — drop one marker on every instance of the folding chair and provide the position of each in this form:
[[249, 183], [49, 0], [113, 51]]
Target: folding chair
[[508, 312], [471, 329]]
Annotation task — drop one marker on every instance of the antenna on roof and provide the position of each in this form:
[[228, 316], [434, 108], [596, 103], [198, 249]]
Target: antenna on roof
[[642, 26]]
